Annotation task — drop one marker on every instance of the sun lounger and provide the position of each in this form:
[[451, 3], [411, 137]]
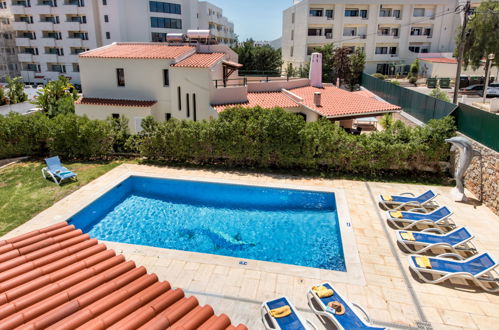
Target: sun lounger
[[291, 321], [56, 171], [408, 200], [480, 269], [407, 219], [351, 319], [457, 240]]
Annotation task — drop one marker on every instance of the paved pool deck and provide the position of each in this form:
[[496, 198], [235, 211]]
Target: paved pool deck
[[383, 284]]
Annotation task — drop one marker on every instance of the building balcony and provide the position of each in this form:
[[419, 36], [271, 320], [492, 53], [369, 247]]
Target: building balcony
[[319, 39], [386, 57], [23, 42], [388, 20], [419, 38], [25, 57], [320, 20], [21, 26], [386, 38], [355, 20]]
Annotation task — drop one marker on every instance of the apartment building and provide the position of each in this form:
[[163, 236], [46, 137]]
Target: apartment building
[[392, 33], [48, 35]]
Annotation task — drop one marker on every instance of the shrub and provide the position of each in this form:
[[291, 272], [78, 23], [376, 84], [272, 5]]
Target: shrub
[[23, 135], [440, 94], [395, 82], [78, 137], [413, 80], [379, 76], [16, 92], [3, 98]]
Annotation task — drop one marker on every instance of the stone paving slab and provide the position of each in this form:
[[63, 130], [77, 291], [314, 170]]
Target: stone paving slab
[[390, 293]]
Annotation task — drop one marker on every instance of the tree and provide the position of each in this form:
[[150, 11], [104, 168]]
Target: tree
[[290, 71], [16, 92], [121, 133], [57, 97], [440, 94], [482, 37], [358, 62], [342, 65], [3, 98], [387, 121], [263, 59], [414, 70]]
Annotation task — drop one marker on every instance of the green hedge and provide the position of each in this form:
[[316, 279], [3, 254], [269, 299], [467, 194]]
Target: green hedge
[[240, 137], [69, 136], [279, 139]]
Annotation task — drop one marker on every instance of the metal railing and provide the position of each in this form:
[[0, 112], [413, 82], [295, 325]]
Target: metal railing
[[237, 82]]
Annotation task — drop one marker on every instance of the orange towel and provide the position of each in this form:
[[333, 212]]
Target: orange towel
[[423, 262], [280, 312], [396, 214], [322, 291], [407, 235]]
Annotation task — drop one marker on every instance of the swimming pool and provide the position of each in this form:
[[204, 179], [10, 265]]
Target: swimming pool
[[289, 226]]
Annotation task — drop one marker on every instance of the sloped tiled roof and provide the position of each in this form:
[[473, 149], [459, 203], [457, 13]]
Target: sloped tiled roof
[[439, 60], [200, 60], [365, 93], [58, 277], [138, 50], [335, 102], [267, 100], [115, 102]]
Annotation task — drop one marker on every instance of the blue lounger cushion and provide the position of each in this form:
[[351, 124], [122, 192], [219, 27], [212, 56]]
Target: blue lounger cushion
[[419, 199], [452, 238], [438, 214], [474, 266], [349, 320], [289, 322]]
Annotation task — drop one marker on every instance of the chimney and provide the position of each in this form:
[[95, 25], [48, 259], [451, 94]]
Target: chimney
[[315, 74], [317, 99]]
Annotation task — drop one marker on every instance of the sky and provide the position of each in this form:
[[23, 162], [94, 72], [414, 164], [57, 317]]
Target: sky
[[257, 19]]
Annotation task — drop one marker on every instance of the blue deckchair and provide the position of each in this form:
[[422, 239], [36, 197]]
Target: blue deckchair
[[439, 217], [398, 202], [457, 240], [56, 171], [293, 321], [350, 320], [479, 269]]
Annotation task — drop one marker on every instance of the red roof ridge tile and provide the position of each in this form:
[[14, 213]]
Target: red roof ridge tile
[[58, 277], [116, 102], [200, 60]]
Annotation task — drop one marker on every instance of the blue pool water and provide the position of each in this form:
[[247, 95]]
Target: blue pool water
[[279, 225]]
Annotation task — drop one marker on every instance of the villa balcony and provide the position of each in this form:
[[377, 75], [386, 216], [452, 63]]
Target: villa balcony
[[387, 38], [420, 38], [319, 39], [388, 20], [320, 20]]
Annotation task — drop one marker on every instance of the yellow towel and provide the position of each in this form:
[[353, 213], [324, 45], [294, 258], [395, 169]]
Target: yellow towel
[[408, 236], [322, 291], [396, 214], [387, 197], [280, 312], [423, 262]]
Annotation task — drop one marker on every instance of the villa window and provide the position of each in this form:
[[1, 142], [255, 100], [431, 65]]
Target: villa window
[[179, 92], [381, 50], [166, 78], [351, 12], [363, 13], [385, 12], [328, 33], [165, 7], [187, 105], [416, 31], [292, 18], [396, 13], [291, 51], [329, 13], [106, 18], [166, 23], [194, 106], [115, 115], [120, 76], [168, 116], [108, 35], [104, 2], [292, 34]]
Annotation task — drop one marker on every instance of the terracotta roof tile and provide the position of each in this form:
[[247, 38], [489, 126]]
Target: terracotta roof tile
[[335, 102], [115, 102], [265, 100], [200, 60], [58, 277], [139, 50], [439, 60]]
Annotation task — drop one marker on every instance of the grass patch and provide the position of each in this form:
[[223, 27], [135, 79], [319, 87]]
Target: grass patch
[[24, 192]]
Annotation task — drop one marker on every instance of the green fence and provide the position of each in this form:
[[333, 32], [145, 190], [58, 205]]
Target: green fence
[[420, 106], [481, 126]]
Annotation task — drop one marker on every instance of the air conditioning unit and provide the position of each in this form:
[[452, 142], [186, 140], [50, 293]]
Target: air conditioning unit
[[363, 36]]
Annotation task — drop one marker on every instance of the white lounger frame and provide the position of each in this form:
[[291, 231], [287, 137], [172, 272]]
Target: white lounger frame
[[264, 310], [488, 276], [444, 222], [312, 296], [395, 206], [411, 246], [46, 173]]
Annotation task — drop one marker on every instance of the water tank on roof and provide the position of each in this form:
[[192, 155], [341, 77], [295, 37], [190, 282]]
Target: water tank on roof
[[198, 34], [175, 37]]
